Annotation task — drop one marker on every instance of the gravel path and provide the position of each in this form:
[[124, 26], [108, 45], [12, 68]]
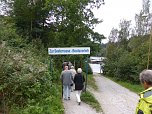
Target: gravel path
[[114, 98], [72, 107]]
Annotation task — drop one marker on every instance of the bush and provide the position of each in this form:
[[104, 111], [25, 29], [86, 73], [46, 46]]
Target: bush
[[126, 63], [26, 82], [26, 85]]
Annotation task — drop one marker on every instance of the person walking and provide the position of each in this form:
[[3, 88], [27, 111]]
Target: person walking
[[65, 63], [66, 78], [79, 84], [145, 102], [73, 71]]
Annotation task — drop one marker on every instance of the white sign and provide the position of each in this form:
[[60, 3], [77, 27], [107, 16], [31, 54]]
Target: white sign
[[67, 51]]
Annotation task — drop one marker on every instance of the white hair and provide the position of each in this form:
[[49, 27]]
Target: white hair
[[72, 67], [79, 70], [146, 76]]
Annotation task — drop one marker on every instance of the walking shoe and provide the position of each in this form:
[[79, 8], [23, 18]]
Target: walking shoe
[[79, 103]]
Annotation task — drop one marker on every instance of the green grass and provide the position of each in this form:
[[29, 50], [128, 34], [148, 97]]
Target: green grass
[[133, 87], [137, 88], [89, 99], [91, 82]]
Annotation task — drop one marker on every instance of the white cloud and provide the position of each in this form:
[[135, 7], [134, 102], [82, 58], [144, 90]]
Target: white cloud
[[115, 10]]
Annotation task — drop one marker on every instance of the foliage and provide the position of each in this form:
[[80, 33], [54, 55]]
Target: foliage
[[26, 85], [57, 23], [66, 23], [127, 52], [92, 82], [126, 59], [133, 48], [86, 68], [143, 19]]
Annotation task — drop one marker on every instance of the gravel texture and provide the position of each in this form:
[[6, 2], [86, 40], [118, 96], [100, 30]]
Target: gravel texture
[[113, 98], [72, 107]]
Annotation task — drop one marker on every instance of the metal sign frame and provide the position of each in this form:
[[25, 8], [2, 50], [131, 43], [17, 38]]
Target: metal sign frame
[[71, 51]]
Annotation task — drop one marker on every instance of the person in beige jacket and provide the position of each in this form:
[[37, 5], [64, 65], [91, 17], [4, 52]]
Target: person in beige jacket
[[73, 71]]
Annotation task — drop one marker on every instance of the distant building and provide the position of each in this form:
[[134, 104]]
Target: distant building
[[96, 60]]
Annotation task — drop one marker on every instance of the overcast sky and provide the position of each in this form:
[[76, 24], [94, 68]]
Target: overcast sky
[[115, 10]]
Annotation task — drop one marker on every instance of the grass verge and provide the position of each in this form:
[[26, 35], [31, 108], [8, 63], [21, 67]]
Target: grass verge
[[92, 82], [132, 87], [89, 99]]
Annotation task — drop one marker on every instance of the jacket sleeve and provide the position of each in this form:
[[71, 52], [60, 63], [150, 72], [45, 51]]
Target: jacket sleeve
[[83, 78], [61, 76], [74, 79]]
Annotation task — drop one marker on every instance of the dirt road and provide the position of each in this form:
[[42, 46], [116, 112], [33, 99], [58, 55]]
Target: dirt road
[[72, 107], [114, 98]]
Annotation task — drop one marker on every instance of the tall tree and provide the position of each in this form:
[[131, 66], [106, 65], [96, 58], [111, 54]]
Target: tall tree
[[143, 19], [113, 37], [65, 22], [124, 32]]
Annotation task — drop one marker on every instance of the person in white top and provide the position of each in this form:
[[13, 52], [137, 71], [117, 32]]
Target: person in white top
[[73, 71]]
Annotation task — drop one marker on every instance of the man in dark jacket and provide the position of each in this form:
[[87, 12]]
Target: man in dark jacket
[[79, 84]]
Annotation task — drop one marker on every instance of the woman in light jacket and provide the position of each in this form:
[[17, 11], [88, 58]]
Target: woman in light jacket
[[79, 84]]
